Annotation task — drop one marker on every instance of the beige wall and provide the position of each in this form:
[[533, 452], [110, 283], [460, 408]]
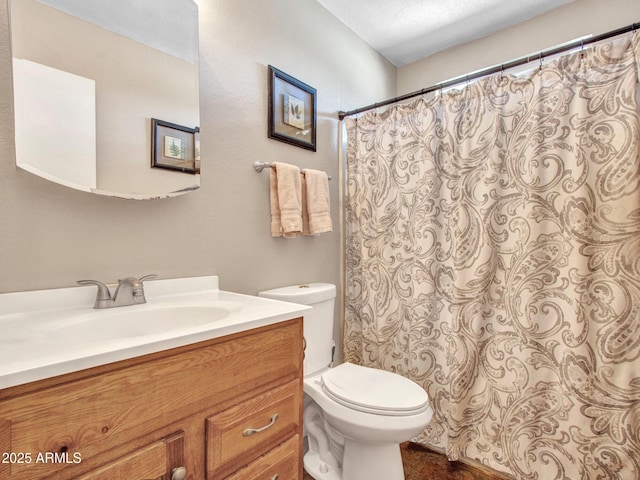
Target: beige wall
[[566, 23], [51, 236]]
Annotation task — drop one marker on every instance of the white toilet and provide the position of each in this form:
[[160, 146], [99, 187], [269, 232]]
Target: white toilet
[[354, 417]]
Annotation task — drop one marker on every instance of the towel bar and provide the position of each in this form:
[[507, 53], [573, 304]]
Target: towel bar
[[259, 166]]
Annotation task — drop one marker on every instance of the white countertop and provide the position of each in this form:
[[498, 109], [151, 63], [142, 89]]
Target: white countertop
[[31, 325]]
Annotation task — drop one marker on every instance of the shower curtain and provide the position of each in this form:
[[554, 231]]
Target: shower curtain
[[492, 239]]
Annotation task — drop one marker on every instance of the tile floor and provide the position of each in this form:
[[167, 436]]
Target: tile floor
[[421, 463]]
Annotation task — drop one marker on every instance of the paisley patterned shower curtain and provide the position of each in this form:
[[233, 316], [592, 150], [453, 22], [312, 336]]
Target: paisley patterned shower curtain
[[493, 256]]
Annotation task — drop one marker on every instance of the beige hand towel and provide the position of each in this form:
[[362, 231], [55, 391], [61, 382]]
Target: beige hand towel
[[286, 200], [317, 201]]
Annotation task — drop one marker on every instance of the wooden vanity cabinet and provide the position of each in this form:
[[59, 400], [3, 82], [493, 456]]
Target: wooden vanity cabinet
[[224, 408]]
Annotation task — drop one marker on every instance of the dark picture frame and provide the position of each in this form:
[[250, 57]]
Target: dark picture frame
[[175, 147], [292, 110]]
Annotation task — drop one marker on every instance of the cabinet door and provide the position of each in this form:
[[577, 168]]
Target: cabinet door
[[153, 462]]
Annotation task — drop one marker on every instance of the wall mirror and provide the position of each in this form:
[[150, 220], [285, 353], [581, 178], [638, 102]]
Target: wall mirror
[[91, 77]]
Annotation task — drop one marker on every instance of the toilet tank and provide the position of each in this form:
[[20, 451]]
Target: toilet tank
[[318, 323]]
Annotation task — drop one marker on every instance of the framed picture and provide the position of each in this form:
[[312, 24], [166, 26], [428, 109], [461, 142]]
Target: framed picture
[[175, 147], [292, 110]]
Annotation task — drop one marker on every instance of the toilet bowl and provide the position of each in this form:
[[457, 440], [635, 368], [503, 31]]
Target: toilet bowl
[[355, 417], [370, 412]]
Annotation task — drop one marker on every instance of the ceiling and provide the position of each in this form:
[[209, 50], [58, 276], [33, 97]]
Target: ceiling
[[405, 31]]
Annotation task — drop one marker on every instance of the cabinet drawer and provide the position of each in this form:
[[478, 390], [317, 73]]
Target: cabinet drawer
[[281, 463], [244, 432]]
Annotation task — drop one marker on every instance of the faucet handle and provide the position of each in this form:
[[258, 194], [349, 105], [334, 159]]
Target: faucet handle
[[103, 290], [147, 277], [104, 295]]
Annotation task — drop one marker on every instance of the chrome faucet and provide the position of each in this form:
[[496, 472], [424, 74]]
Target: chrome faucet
[[130, 291]]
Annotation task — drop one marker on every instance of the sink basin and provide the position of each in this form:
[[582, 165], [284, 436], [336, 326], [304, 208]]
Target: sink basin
[[137, 321]]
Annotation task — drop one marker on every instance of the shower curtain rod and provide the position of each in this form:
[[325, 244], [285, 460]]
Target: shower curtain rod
[[496, 69]]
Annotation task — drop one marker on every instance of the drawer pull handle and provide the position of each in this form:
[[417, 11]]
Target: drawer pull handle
[[251, 431], [275, 477]]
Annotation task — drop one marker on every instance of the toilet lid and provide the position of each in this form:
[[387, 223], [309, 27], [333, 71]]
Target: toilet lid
[[374, 391]]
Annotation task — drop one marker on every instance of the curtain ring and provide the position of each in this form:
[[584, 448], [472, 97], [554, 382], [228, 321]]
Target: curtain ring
[[423, 95], [540, 69]]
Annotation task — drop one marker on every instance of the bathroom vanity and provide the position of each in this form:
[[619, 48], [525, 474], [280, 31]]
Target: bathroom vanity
[[226, 406]]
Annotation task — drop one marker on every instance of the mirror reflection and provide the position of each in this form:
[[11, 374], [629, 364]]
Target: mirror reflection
[[91, 79]]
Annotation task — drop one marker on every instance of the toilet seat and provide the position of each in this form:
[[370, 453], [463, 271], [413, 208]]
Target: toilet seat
[[374, 391]]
